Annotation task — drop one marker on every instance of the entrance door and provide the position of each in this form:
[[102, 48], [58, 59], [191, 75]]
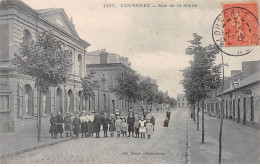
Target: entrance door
[[252, 109], [238, 111], [244, 119]]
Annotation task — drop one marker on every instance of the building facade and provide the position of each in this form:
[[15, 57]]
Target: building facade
[[241, 95], [182, 101], [19, 98], [107, 67]]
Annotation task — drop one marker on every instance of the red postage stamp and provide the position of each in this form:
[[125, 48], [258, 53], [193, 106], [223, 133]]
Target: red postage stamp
[[240, 24]]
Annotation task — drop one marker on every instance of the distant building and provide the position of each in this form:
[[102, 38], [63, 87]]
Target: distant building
[[107, 67], [182, 101]]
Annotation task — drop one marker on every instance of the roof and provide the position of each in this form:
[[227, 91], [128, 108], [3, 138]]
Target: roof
[[245, 82], [98, 52], [43, 13]]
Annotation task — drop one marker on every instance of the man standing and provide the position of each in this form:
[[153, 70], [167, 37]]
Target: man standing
[[130, 122], [97, 124], [59, 124], [105, 122]]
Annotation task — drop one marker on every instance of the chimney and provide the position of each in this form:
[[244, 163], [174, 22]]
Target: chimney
[[71, 20], [103, 57]]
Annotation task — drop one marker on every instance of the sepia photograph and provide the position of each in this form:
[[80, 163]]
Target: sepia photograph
[[129, 82]]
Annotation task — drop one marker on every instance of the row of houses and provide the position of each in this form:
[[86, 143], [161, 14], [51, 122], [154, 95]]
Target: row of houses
[[18, 96], [241, 96]]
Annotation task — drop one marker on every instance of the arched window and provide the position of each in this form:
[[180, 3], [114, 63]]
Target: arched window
[[80, 64], [28, 99], [26, 35]]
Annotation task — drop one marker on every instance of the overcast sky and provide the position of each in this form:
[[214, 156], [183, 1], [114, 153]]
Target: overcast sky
[[154, 39]]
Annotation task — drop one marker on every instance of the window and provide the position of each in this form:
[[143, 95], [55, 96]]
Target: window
[[4, 102], [80, 64], [26, 35], [44, 103]]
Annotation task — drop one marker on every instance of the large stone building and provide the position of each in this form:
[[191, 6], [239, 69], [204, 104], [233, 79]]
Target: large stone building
[[18, 96], [241, 95], [107, 67]]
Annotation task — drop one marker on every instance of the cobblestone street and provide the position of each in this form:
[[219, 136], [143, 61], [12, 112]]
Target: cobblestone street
[[167, 145]]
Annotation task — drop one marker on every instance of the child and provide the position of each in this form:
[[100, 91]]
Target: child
[[68, 124], [53, 128], [118, 125], [136, 126], [166, 122], [76, 124], [149, 128], [142, 127], [124, 127], [112, 127]]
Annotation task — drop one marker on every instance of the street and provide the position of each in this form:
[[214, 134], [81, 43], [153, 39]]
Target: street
[[167, 145]]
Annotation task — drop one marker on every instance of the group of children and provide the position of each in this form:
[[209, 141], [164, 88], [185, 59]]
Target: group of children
[[89, 123]]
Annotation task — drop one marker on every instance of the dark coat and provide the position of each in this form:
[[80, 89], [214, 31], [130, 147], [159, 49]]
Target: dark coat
[[68, 123], [153, 120], [53, 128], [76, 123], [97, 123], [105, 122], [112, 126], [59, 126], [130, 122]]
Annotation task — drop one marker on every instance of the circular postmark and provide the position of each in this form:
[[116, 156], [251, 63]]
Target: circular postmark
[[235, 31]]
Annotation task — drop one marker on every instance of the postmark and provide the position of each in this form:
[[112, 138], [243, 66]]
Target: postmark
[[236, 31]]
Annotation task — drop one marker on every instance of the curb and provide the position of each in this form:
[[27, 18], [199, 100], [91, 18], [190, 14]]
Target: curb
[[33, 148], [187, 142]]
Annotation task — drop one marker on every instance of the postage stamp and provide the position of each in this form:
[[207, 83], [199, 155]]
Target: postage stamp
[[235, 30], [240, 24]]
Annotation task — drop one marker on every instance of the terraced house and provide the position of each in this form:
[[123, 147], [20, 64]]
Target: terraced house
[[241, 96], [18, 96]]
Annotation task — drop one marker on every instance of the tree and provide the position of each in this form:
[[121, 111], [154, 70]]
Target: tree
[[203, 75], [87, 85], [128, 87], [45, 61], [173, 102], [146, 92]]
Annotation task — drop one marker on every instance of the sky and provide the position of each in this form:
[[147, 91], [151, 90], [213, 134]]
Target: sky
[[154, 39]]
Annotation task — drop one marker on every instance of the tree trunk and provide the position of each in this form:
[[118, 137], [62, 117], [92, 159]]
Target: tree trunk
[[39, 115], [193, 113], [203, 133], [198, 109]]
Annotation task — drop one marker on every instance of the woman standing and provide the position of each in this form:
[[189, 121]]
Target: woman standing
[[90, 119], [68, 124], [118, 125], [76, 124], [84, 125], [53, 127], [112, 126]]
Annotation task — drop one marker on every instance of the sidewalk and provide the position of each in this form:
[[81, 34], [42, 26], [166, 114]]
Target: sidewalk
[[26, 139], [240, 144]]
